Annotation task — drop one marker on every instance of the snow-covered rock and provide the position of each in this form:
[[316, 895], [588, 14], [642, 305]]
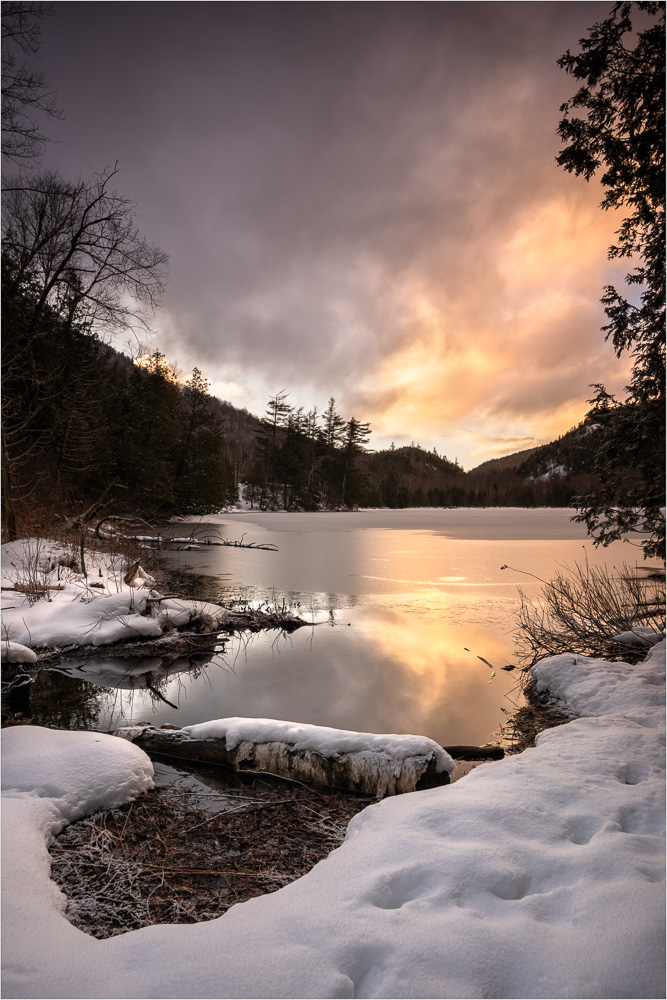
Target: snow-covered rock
[[14, 652], [541, 875]]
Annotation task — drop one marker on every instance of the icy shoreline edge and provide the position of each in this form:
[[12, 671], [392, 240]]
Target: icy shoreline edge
[[540, 875]]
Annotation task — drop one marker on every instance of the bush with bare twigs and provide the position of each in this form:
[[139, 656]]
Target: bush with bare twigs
[[583, 608]]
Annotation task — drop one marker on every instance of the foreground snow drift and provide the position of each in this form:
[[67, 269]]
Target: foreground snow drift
[[541, 875]]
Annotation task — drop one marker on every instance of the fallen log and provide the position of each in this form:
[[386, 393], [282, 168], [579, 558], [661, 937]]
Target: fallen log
[[364, 762], [463, 752]]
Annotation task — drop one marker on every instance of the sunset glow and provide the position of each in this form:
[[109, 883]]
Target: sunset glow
[[386, 225]]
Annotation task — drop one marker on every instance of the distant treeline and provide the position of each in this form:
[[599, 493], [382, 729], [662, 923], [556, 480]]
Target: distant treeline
[[303, 461], [83, 422]]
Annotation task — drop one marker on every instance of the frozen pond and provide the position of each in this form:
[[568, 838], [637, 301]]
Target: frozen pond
[[403, 604]]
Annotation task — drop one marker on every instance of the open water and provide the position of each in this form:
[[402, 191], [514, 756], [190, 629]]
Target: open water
[[405, 607]]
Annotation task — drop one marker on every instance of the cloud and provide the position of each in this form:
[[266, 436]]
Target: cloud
[[359, 201]]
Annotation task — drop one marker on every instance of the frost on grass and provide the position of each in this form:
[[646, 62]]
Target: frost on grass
[[539, 875], [165, 859]]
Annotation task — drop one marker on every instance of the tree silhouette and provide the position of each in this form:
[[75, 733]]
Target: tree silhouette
[[622, 134], [25, 94]]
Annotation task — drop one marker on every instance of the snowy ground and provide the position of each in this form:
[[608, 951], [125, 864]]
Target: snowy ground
[[541, 875], [96, 609]]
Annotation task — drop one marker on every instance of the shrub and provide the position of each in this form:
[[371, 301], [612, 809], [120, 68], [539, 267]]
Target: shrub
[[584, 607]]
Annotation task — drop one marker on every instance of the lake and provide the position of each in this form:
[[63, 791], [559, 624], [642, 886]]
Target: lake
[[403, 606]]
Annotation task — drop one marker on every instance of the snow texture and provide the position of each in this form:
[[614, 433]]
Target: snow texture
[[541, 875], [97, 609], [321, 739], [14, 652], [640, 636]]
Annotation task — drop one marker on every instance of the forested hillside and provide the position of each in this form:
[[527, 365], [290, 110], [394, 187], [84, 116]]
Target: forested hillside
[[303, 461], [82, 422]]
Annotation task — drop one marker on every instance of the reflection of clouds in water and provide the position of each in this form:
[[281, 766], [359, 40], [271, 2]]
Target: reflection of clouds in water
[[391, 671], [402, 665], [387, 673]]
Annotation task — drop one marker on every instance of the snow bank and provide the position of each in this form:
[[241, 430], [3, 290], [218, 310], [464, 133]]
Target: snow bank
[[78, 772], [97, 609], [596, 688], [72, 620], [320, 739], [541, 875], [49, 779]]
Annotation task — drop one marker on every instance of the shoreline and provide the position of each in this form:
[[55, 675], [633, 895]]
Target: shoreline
[[548, 864]]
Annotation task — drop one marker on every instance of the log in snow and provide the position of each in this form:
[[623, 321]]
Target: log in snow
[[376, 765]]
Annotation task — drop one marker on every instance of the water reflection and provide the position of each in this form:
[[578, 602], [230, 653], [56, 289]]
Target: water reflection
[[366, 668], [400, 617]]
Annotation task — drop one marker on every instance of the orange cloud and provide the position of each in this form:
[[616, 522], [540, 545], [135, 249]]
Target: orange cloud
[[516, 364]]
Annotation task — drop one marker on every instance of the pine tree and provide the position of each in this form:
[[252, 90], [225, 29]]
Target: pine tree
[[353, 479], [622, 69]]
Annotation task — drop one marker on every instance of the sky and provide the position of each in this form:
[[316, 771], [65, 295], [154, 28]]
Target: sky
[[359, 200]]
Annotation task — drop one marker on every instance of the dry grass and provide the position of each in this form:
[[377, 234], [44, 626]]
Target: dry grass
[[166, 859], [538, 713]]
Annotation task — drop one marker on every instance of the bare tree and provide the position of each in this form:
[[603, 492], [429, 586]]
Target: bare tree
[[25, 93], [77, 246], [73, 264]]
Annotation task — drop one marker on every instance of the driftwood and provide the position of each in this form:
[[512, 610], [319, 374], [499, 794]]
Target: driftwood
[[371, 772], [475, 753], [231, 543]]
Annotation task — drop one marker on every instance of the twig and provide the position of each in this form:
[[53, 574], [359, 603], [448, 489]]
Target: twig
[[239, 812]]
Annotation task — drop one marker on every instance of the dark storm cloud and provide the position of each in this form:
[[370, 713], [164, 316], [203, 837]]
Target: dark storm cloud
[[337, 183]]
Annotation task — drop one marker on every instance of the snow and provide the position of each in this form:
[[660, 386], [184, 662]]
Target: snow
[[77, 772], [321, 739], [70, 619], [640, 636], [14, 652], [541, 875], [97, 609]]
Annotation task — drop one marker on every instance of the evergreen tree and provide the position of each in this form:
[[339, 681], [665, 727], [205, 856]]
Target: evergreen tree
[[353, 478], [203, 478], [622, 69], [333, 431]]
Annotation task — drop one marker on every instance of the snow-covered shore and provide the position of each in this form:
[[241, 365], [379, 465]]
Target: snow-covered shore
[[102, 607], [541, 875]]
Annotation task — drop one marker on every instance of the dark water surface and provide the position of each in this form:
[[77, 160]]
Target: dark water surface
[[402, 605]]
